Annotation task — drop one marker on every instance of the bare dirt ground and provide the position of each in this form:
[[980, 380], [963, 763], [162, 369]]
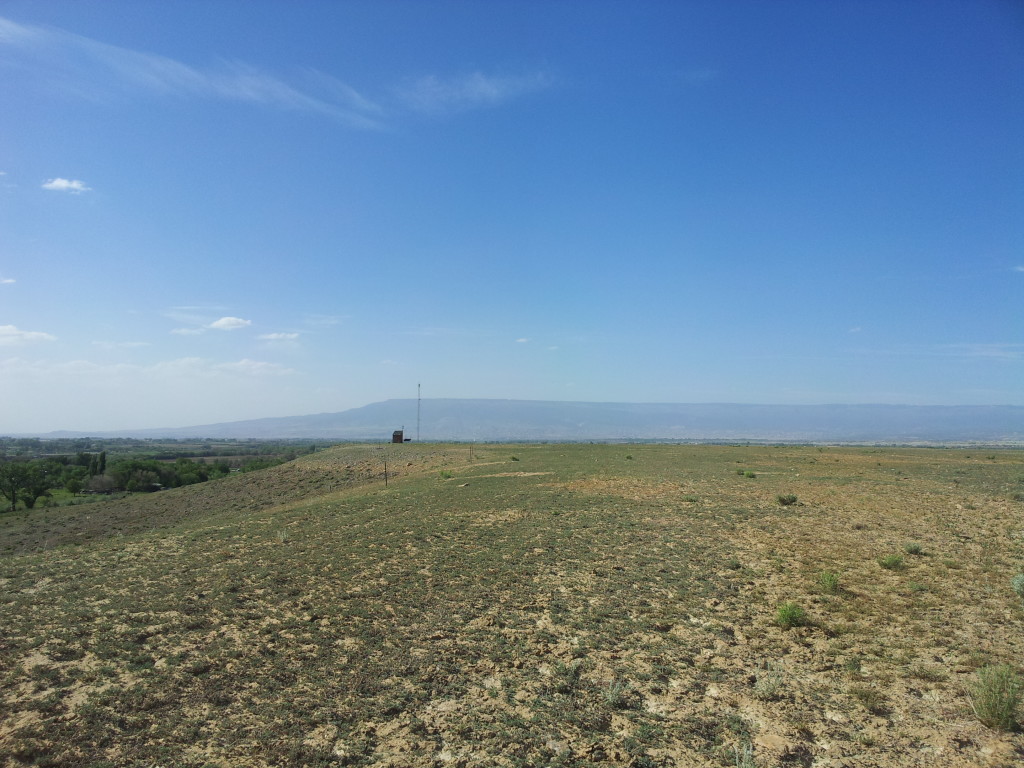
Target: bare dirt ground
[[569, 605]]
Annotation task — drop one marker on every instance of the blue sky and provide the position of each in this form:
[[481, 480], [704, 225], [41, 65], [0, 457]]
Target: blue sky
[[213, 211]]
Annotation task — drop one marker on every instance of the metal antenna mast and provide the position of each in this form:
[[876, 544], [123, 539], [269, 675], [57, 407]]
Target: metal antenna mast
[[417, 413]]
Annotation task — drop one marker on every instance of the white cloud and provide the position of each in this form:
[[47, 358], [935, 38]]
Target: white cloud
[[11, 336], [325, 320], [229, 323], [7, 281], [74, 186], [855, 329], [188, 331], [248, 367], [522, 341], [278, 336], [433, 94], [94, 69], [120, 344], [1018, 269]]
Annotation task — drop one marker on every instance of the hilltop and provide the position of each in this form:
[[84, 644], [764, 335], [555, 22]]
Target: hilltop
[[523, 605]]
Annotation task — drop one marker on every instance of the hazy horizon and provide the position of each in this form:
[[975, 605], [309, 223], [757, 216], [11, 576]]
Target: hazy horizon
[[214, 212]]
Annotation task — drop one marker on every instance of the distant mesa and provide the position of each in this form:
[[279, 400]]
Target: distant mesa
[[540, 420]]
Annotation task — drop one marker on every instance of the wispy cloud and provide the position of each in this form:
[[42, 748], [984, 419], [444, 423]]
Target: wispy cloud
[[991, 350], [7, 281], [434, 94], [324, 321], [278, 336], [248, 367], [10, 336], [1019, 268], [522, 341], [229, 324], [200, 326], [93, 69], [120, 344], [965, 350], [74, 186]]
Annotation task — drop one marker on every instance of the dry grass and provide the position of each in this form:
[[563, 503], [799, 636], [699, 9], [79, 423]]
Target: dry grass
[[569, 608]]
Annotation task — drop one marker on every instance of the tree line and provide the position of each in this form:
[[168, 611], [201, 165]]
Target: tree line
[[29, 480]]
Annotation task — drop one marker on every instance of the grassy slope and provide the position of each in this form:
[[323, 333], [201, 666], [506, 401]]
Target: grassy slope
[[574, 607]]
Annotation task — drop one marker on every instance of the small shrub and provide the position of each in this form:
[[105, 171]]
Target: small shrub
[[690, 499], [789, 615], [616, 695], [996, 696], [749, 473], [828, 582], [744, 756], [931, 674], [445, 474], [913, 548], [891, 562], [768, 682], [787, 499], [870, 698], [1017, 496], [567, 677], [515, 458], [629, 457], [1018, 585]]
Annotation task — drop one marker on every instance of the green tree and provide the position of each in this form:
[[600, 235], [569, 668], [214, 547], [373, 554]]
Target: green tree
[[12, 480], [38, 479]]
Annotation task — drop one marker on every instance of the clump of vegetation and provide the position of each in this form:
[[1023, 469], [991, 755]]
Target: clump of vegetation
[[930, 674], [853, 666], [828, 582], [789, 615], [786, 499], [913, 548], [996, 696], [767, 682], [616, 695], [750, 473], [870, 698], [515, 458], [891, 562], [567, 677], [445, 474], [690, 499], [1018, 585], [1018, 496], [744, 756]]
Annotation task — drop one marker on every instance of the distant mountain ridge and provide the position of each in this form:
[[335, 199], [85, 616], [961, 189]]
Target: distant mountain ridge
[[527, 420]]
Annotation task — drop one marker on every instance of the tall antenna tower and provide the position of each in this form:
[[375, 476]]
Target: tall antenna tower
[[417, 413]]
